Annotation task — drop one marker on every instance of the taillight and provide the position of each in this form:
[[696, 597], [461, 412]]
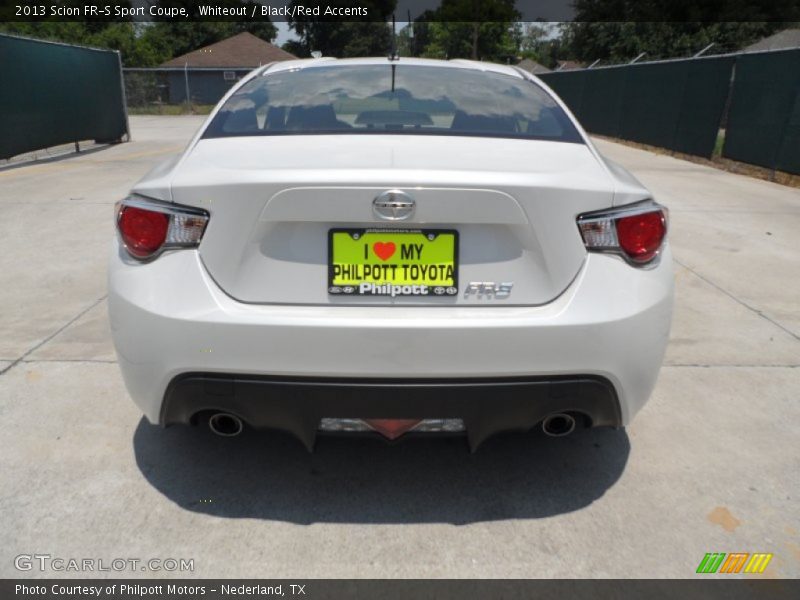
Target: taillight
[[640, 236], [143, 231], [636, 232], [147, 227]]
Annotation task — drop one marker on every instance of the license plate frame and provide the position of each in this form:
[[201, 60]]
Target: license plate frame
[[444, 285]]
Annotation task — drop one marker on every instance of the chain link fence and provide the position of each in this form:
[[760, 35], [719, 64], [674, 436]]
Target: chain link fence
[[171, 91]]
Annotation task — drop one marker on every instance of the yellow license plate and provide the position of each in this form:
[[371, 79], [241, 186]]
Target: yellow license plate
[[390, 262]]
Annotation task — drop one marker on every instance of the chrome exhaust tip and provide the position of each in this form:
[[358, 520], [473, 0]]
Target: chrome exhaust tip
[[225, 424], [558, 424]]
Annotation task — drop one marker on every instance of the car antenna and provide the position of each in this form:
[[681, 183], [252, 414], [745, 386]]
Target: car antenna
[[393, 57]]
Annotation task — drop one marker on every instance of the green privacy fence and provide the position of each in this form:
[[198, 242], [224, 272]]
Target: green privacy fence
[[54, 94], [672, 104], [764, 121]]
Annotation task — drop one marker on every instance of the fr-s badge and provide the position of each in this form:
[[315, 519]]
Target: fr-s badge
[[488, 289]]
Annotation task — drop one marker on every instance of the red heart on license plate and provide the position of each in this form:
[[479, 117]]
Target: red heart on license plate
[[383, 250]]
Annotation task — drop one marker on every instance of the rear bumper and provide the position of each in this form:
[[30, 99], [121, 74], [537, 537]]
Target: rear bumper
[[297, 406], [169, 320]]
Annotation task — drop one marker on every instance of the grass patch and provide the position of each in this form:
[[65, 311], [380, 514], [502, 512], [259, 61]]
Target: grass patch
[[171, 109], [718, 144]]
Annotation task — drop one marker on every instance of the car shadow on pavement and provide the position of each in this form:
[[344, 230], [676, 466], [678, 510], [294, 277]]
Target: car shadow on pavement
[[270, 475]]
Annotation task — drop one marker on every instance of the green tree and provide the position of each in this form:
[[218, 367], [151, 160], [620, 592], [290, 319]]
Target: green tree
[[677, 11], [345, 37], [67, 31], [670, 29], [405, 41], [135, 48], [296, 47], [621, 42], [533, 39], [143, 44], [173, 37], [476, 29], [492, 41], [415, 37], [210, 29]]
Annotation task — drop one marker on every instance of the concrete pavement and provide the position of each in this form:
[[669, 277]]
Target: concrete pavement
[[710, 465]]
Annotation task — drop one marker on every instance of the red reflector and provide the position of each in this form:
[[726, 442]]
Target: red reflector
[[392, 428], [640, 236], [143, 231]]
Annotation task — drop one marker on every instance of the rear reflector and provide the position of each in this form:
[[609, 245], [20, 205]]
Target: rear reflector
[[147, 227], [424, 426], [635, 232]]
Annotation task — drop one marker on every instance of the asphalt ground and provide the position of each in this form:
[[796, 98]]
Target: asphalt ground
[[710, 465]]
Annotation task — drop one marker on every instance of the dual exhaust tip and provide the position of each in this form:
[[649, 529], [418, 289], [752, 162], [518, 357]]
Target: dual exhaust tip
[[228, 425]]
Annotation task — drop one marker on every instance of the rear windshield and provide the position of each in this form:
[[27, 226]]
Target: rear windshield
[[392, 98]]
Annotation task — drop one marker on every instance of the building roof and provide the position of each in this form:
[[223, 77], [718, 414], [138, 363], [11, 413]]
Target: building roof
[[241, 50], [531, 66], [788, 38]]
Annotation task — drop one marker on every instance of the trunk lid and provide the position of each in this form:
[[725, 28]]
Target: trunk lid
[[273, 200]]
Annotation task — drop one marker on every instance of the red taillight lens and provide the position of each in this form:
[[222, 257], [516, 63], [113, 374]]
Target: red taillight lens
[[143, 231], [640, 236]]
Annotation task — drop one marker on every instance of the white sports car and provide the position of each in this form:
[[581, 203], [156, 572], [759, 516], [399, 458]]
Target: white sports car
[[390, 246]]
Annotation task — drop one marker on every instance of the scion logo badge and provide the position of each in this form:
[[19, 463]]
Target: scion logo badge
[[393, 205], [734, 562]]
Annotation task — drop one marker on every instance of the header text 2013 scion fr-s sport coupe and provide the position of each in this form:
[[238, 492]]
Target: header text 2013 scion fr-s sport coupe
[[390, 246]]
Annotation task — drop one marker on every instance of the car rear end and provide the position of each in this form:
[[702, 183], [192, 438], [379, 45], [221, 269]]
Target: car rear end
[[346, 248]]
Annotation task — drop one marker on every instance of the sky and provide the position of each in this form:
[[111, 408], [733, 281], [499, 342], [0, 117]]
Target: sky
[[284, 33]]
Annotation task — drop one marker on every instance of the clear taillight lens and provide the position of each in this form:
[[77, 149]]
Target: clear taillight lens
[[186, 230], [147, 227], [636, 232], [599, 234]]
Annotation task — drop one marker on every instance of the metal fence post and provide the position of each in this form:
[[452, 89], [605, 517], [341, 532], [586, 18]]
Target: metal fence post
[[186, 79], [124, 97]]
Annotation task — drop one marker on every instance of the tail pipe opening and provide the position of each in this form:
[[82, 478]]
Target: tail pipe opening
[[225, 424], [558, 424]]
